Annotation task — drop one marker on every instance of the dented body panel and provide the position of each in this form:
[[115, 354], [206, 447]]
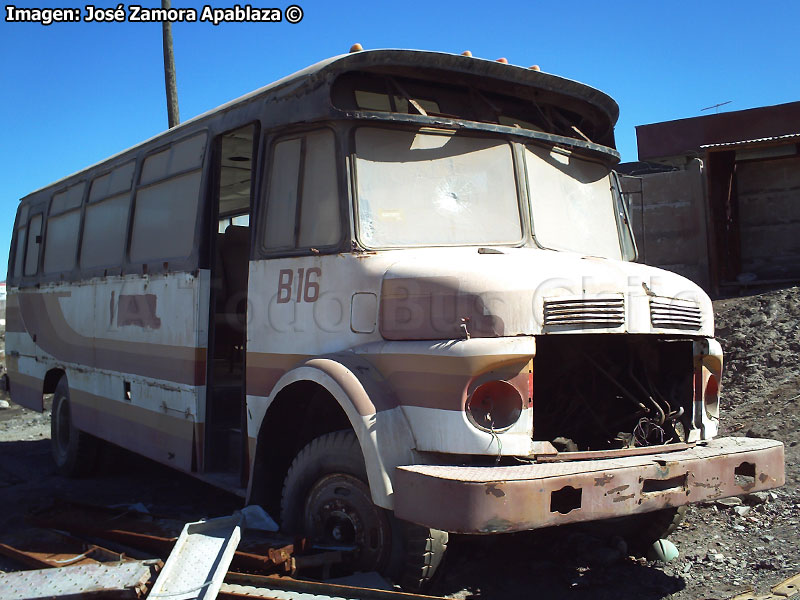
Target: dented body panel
[[516, 498]]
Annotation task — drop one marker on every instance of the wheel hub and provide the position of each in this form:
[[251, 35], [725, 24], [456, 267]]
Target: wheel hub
[[339, 511]]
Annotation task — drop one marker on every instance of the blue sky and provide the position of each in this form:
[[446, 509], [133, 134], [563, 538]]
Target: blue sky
[[73, 94]]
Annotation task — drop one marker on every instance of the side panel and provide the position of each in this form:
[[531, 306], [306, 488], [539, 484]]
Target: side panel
[[134, 351]]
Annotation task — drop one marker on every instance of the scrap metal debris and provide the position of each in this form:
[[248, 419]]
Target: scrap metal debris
[[40, 549], [198, 562], [260, 551], [257, 587], [785, 589], [115, 580]]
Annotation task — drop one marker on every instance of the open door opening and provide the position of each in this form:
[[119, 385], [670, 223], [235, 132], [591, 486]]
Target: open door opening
[[225, 428]]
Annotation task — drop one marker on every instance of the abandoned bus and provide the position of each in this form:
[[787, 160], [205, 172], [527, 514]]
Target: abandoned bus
[[388, 297]]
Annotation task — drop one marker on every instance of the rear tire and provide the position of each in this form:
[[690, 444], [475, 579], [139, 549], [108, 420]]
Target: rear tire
[[326, 497], [74, 452]]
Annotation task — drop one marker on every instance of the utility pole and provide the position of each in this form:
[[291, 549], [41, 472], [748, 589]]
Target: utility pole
[[170, 82]]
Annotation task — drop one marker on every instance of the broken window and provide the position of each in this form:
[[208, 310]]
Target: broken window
[[431, 188], [394, 103]]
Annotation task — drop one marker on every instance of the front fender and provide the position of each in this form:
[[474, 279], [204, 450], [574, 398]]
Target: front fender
[[379, 423]]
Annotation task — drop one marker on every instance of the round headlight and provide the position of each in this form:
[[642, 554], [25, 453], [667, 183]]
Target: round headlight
[[494, 406]]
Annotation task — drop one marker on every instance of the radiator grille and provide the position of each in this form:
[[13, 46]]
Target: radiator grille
[[671, 313], [585, 312]]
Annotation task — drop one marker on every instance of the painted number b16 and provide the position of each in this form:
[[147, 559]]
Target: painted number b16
[[307, 289]]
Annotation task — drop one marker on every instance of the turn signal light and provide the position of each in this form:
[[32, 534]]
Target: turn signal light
[[494, 406]]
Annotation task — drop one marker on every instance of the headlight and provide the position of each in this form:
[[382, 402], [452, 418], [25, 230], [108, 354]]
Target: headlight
[[494, 406]]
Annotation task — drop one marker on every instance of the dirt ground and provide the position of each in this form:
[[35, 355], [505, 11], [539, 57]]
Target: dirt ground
[[724, 548]]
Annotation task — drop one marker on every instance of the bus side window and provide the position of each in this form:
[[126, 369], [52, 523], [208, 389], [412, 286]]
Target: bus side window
[[303, 196], [19, 243], [167, 199], [63, 222], [34, 242], [106, 222]]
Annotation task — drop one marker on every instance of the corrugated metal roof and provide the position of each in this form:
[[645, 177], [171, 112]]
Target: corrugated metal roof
[[787, 137]]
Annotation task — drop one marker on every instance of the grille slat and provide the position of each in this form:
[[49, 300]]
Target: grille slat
[[671, 313], [586, 312]]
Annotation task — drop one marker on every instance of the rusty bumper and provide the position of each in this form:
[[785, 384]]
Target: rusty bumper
[[518, 498]]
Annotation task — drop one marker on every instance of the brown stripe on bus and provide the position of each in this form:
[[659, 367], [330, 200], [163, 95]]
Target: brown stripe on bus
[[44, 318], [264, 369], [14, 322], [161, 436], [26, 390]]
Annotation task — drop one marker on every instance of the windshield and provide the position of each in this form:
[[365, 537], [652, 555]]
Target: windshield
[[431, 188], [574, 204]]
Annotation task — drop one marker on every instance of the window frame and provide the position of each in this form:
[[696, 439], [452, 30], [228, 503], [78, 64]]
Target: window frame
[[171, 264], [20, 224], [111, 268], [65, 273], [530, 198], [36, 276], [520, 185], [271, 140], [212, 180]]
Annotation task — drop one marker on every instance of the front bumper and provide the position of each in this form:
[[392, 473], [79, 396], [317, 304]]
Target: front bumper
[[517, 498]]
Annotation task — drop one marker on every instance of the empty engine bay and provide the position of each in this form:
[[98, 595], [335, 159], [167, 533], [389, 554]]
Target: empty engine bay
[[602, 392]]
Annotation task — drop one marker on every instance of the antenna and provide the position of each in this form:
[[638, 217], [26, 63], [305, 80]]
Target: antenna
[[716, 106]]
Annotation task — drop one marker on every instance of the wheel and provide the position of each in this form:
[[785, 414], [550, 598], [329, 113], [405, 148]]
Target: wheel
[[326, 498], [74, 451]]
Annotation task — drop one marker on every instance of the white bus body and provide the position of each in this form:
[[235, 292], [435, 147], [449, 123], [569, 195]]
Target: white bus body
[[405, 275]]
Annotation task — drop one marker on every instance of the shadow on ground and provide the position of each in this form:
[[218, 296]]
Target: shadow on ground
[[556, 563]]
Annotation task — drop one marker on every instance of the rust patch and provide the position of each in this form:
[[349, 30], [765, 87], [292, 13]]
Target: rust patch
[[494, 490], [602, 481], [617, 489], [623, 498], [138, 310], [763, 477], [497, 525], [701, 484]]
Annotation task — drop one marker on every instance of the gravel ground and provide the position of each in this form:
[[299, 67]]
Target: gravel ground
[[725, 547]]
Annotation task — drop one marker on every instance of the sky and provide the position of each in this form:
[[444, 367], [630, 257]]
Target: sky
[[72, 94]]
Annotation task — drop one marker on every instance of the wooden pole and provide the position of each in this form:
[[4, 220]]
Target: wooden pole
[[173, 114]]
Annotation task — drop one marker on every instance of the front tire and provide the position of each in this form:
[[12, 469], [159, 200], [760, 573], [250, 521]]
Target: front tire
[[74, 452], [326, 497]]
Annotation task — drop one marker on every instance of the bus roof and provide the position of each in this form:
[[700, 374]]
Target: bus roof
[[376, 60]]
